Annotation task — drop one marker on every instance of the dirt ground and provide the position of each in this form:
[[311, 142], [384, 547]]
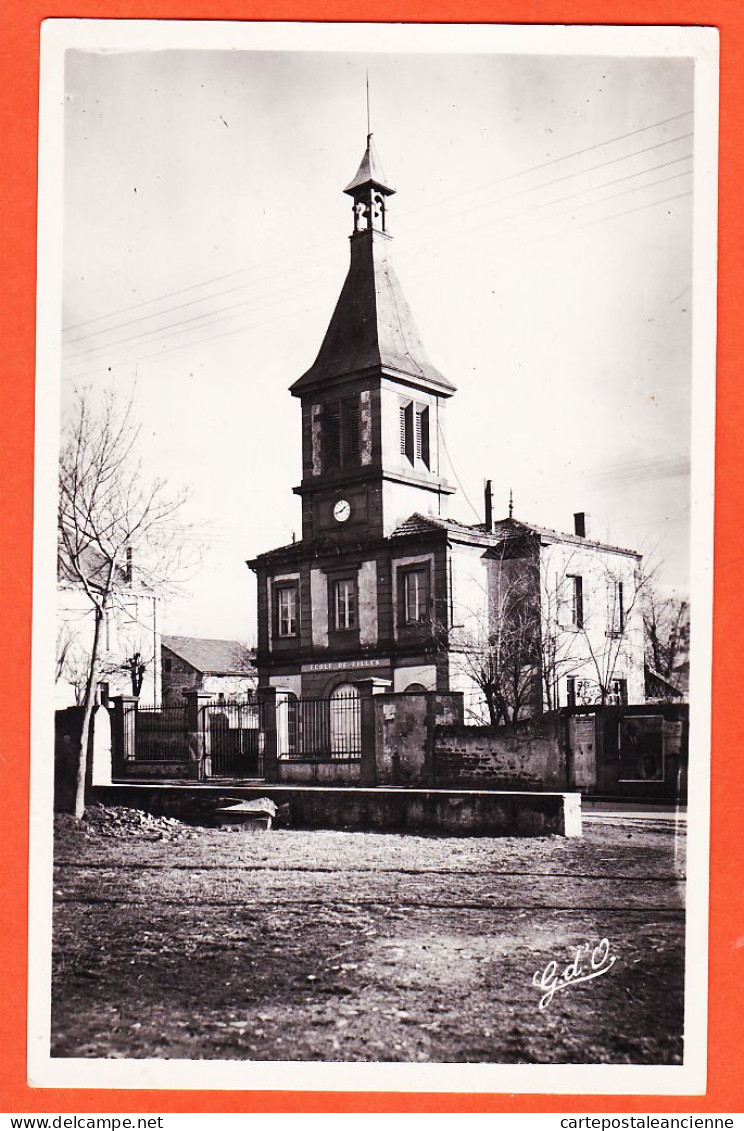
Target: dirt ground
[[173, 942]]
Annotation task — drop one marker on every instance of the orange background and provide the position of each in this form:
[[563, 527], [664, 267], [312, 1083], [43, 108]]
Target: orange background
[[19, 52]]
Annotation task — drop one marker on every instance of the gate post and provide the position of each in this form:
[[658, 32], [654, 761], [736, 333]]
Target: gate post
[[124, 733], [273, 720], [197, 735], [268, 702], [367, 689]]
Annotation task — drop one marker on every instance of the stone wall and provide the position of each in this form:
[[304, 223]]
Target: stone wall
[[404, 727], [525, 755]]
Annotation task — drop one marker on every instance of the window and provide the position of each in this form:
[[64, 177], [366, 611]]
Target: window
[[352, 428], [618, 692], [168, 665], [576, 600], [344, 604], [414, 433], [617, 611], [422, 435], [332, 436], [406, 432], [415, 595], [340, 433], [286, 610]]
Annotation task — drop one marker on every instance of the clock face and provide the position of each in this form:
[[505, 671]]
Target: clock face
[[342, 510]]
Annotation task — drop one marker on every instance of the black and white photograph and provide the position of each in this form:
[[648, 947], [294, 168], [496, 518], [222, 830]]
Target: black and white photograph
[[374, 505]]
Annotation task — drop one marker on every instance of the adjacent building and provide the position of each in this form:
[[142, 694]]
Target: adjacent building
[[129, 649], [382, 582], [191, 663]]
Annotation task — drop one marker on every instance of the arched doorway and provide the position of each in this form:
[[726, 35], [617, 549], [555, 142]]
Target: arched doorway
[[345, 724]]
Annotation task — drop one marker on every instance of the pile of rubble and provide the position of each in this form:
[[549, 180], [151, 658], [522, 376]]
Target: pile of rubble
[[119, 821]]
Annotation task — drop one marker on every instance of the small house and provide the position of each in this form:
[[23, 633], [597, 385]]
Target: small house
[[193, 663]]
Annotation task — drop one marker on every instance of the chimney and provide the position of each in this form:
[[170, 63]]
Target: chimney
[[128, 567], [580, 524], [488, 498]]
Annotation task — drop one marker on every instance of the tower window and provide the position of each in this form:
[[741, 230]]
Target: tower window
[[352, 427], [332, 435], [414, 433], [403, 418], [341, 433], [422, 435]]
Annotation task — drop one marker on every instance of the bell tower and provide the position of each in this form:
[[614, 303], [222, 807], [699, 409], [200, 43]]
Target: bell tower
[[369, 193], [372, 402]]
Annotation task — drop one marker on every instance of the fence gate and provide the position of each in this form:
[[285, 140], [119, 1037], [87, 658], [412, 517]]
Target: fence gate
[[232, 738]]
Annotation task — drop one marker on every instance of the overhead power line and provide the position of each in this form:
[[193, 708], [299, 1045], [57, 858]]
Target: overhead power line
[[245, 329], [198, 317], [179, 346], [568, 177], [588, 204], [555, 161], [615, 216], [280, 274], [325, 242], [222, 314], [454, 472]]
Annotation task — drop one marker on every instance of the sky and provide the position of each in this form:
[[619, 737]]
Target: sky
[[542, 231]]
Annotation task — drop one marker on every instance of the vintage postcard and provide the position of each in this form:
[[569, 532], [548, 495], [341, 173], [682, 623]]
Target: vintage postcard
[[373, 557]]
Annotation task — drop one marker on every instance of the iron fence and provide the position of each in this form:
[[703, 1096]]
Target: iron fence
[[233, 733], [160, 733], [320, 729]]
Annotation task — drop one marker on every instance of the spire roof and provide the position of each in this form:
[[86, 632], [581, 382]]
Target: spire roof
[[372, 326], [369, 172]]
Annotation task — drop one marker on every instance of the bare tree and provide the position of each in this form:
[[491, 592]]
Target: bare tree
[[606, 632], [498, 646], [136, 667], [666, 622], [108, 515]]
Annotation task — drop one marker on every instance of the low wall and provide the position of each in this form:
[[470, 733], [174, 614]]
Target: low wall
[[318, 773], [447, 812], [524, 755], [179, 770], [452, 813]]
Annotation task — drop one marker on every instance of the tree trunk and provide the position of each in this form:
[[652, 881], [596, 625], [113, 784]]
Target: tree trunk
[[88, 703], [492, 714]]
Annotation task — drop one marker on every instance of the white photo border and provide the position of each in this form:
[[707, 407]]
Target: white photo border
[[60, 35]]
